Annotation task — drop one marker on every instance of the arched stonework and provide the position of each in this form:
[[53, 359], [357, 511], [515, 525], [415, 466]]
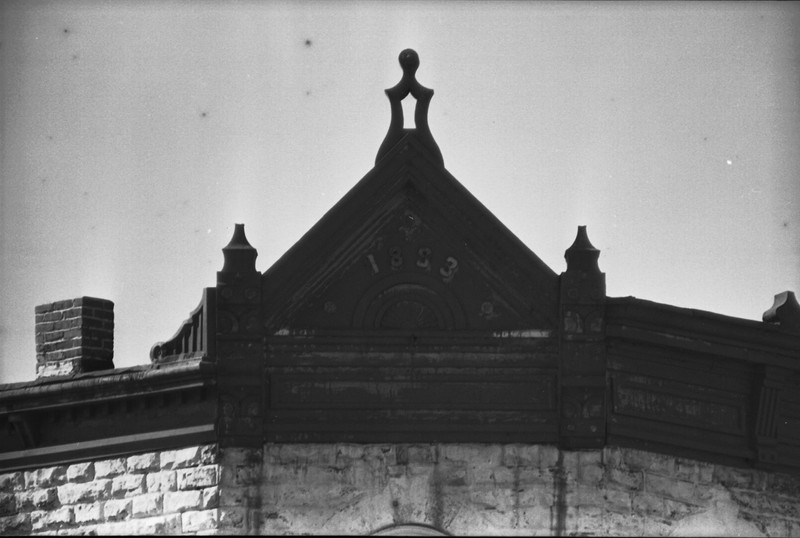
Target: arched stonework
[[408, 302], [409, 529]]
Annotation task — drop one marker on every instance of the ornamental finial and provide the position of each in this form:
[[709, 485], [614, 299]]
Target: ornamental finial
[[409, 62], [582, 256], [240, 256]]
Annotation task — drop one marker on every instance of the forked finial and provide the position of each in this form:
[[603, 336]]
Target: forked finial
[[409, 62]]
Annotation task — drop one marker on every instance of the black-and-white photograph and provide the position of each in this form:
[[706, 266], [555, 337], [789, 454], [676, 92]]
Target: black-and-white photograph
[[421, 268]]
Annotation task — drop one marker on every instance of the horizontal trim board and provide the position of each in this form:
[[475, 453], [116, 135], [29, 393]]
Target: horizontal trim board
[[107, 448]]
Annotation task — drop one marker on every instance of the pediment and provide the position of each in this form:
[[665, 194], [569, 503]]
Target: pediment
[[409, 249]]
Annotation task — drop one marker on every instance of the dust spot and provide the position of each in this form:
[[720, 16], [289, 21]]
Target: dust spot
[[49, 137], [308, 92], [74, 56], [44, 181], [308, 43], [785, 224], [66, 30], [705, 138], [93, 226], [204, 114], [85, 193]]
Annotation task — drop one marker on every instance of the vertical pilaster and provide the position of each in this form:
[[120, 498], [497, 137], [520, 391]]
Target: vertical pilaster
[[768, 389], [240, 345], [582, 361]]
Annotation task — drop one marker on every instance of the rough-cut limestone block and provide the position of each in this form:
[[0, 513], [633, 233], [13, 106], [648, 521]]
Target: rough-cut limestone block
[[720, 518], [128, 485], [109, 468], [169, 524], [12, 481], [240, 475], [548, 456], [200, 520], [626, 479], [320, 454], [143, 462], [679, 490], [521, 455], [188, 457], [117, 509], [617, 500], [8, 504], [349, 452], [234, 496], [88, 512], [37, 499], [46, 477], [148, 504], [210, 498], [585, 495], [84, 493], [181, 501], [647, 504], [232, 518], [18, 524], [80, 472], [51, 519], [162, 481], [197, 477]]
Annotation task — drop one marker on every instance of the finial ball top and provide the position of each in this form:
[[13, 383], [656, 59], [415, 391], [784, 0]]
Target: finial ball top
[[409, 60]]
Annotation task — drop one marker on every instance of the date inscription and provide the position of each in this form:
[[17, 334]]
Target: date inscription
[[423, 259]]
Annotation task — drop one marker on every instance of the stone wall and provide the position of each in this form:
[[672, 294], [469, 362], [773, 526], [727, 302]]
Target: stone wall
[[169, 492], [461, 489], [512, 489]]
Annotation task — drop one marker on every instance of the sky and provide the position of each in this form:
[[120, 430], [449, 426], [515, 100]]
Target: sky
[[136, 134]]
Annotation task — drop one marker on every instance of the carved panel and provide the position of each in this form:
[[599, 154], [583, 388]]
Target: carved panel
[[678, 408], [409, 390], [583, 411]]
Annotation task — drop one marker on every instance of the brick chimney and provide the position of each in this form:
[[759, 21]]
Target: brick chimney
[[74, 336]]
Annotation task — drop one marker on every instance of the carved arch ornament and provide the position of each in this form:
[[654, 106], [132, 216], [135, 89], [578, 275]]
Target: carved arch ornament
[[409, 529], [409, 302]]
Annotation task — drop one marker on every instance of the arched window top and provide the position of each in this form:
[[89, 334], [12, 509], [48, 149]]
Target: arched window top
[[409, 529]]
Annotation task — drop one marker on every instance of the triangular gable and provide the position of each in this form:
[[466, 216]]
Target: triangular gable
[[409, 248]]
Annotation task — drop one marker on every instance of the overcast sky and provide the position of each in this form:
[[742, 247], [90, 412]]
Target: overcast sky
[[135, 134]]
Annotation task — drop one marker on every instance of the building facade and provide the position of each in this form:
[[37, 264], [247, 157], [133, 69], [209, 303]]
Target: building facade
[[410, 367]]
